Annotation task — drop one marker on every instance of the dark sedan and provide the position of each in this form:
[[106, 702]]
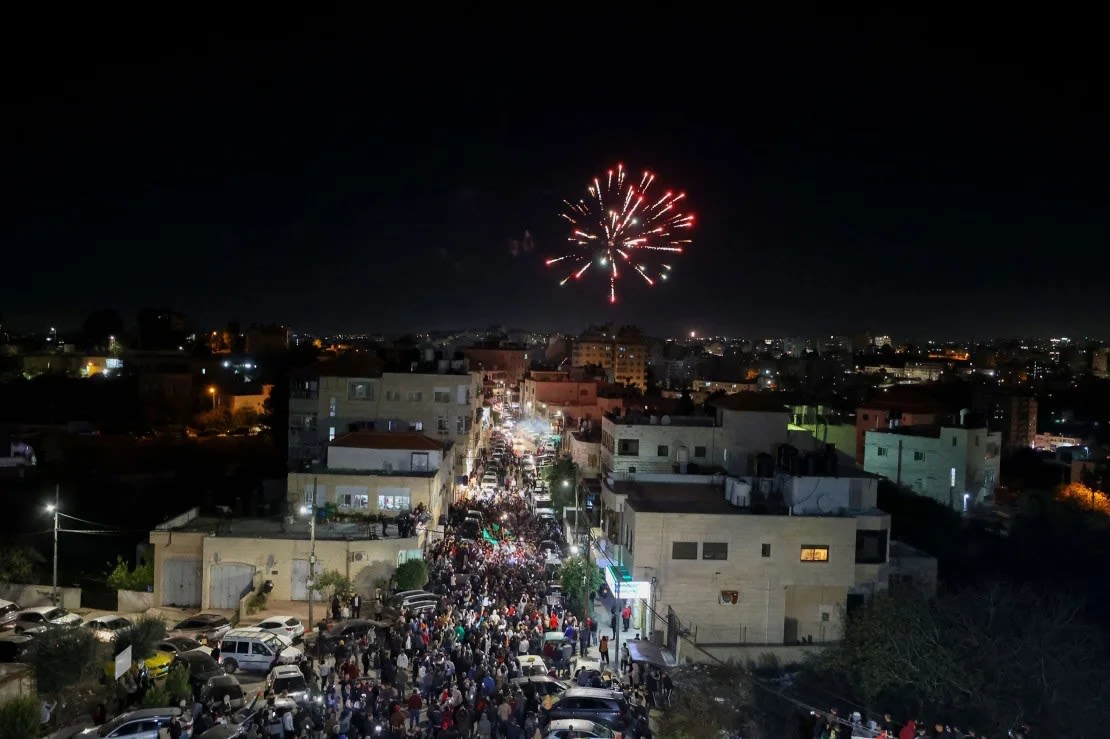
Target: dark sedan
[[201, 666]]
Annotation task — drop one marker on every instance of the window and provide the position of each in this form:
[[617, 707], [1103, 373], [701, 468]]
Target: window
[[714, 550], [415, 396], [628, 447], [419, 461], [918, 456], [591, 460], [662, 451], [360, 390], [416, 425], [331, 433], [441, 424], [394, 502], [684, 550], [257, 648], [442, 395], [764, 550], [310, 495], [881, 451], [331, 407], [460, 425], [871, 547], [699, 452], [814, 553], [392, 394], [352, 497], [462, 394], [953, 441]]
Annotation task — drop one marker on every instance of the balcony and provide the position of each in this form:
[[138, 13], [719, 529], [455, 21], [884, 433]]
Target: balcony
[[304, 394]]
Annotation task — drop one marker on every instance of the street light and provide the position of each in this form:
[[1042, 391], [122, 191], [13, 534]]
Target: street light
[[212, 392]]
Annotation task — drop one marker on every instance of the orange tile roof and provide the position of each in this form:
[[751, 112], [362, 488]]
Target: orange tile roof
[[388, 440]]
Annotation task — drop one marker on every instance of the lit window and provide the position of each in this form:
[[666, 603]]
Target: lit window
[[811, 553]]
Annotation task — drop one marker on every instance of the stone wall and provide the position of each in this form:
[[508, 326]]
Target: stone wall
[[28, 596]]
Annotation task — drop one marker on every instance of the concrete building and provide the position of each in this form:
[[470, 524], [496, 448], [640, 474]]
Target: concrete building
[[954, 465], [556, 394], [883, 415], [442, 399], [254, 400], [622, 356], [378, 473], [712, 559], [513, 361], [213, 562], [637, 444], [827, 426], [585, 450]]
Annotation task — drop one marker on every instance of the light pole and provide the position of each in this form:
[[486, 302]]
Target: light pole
[[311, 512], [54, 509], [212, 392]]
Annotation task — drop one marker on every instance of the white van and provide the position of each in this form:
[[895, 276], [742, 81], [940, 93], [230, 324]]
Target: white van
[[253, 649]]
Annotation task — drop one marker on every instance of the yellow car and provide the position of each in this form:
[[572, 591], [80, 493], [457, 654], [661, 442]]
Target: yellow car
[[157, 665]]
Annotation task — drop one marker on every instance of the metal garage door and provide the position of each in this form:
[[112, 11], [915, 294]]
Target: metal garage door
[[181, 579], [299, 586], [228, 583]]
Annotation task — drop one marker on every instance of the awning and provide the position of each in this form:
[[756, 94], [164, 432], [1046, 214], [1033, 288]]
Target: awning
[[642, 650]]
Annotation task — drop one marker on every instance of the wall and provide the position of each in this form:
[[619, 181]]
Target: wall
[[16, 681], [745, 434], [134, 601], [186, 545], [513, 362], [431, 490], [771, 589], [975, 456], [39, 595], [587, 455], [400, 460], [651, 436]]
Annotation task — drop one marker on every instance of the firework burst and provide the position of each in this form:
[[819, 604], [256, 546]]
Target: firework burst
[[624, 225]]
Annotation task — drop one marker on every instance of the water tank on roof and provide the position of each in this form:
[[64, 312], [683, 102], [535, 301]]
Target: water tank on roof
[[442, 366], [665, 420], [786, 456], [654, 420], [682, 458], [739, 492], [429, 354]]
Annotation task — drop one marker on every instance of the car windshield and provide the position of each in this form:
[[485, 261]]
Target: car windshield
[[273, 642], [54, 614], [290, 683], [184, 643]]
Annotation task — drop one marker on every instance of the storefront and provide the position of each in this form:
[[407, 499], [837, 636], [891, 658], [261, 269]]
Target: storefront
[[635, 593]]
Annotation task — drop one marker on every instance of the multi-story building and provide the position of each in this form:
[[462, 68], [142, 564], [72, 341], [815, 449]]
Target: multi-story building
[[552, 394], [730, 562], [957, 466], [635, 443], [512, 361], [584, 447], [623, 356], [880, 415], [442, 399], [377, 473]]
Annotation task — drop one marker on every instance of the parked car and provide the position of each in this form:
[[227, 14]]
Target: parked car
[[13, 647], [8, 610], [578, 729], [287, 626], [539, 686], [221, 686], [202, 668], [253, 649], [352, 628], [157, 665], [175, 644], [107, 628], [39, 618], [210, 626], [145, 723], [594, 704]]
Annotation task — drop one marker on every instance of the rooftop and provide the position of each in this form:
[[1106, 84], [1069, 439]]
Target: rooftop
[[391, 440], [267, 528], [677, 498], [926, 430], [755, 402], [640, 419]]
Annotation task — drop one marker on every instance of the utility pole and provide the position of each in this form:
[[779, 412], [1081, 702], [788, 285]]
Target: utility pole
[[54, 590], [312, 554]]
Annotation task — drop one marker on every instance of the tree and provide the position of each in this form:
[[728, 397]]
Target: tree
[[412, 574], [216, 419], [20, 564], [245, 417], [122, 578], [334, 582], [990, 656], [709, 701], [63, 657], [572, 576], [20, 717]]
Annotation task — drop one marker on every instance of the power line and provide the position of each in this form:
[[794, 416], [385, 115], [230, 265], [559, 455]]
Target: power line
[[84, 520]]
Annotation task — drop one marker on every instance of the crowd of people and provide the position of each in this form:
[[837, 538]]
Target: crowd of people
[[448, 672]]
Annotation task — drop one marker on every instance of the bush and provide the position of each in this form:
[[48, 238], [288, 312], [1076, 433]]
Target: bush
[[156, 696], [142, 637], [256, 602], [141, 578], [64, 657], [335, 582], [177, 685], [19, 717], [572, 576], [412, 575]]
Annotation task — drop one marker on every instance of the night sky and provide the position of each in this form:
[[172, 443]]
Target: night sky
[[893, 180]]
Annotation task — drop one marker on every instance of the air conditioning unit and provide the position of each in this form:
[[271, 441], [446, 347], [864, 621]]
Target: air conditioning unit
[[355, 556]]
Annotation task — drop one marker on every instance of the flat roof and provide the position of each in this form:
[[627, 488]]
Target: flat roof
[[275, 528], [681, 498], [392, 440], [770, 402]]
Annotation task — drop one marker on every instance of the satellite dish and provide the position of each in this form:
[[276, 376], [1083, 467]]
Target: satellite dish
[[823, 505], [665, 420]]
